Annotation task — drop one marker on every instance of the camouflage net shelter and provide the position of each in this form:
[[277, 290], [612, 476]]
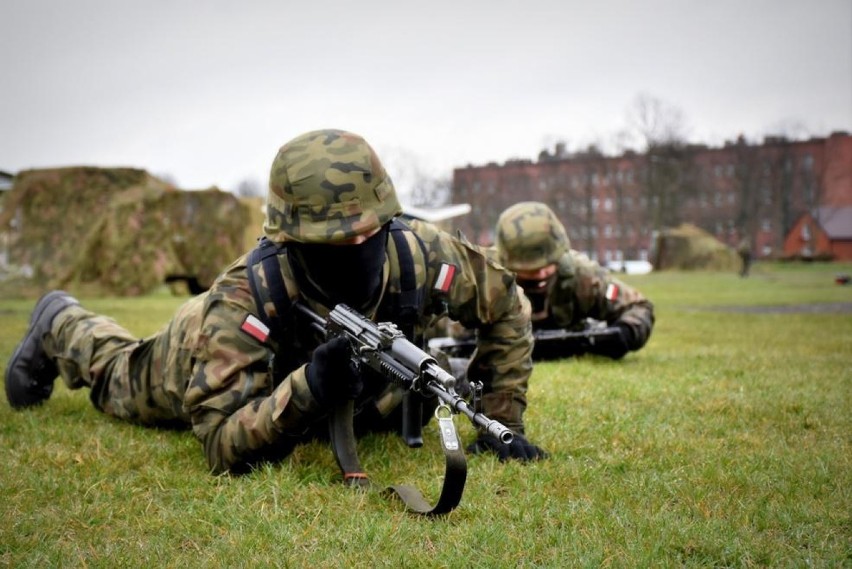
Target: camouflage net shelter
[[688, 247], [116, 231]]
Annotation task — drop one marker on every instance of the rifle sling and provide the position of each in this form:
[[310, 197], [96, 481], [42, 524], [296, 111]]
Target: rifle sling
[[346, 453]]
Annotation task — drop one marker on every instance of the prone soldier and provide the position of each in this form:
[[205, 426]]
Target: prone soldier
[[245, 374], [577, 306], [566, 289]]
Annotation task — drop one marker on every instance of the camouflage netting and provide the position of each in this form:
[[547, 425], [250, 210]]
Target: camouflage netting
[[688, 247], [115, 231]]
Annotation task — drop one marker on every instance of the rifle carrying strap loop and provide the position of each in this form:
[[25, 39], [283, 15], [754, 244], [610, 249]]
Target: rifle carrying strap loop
[[455, 474], [345, 449], [343, 444]]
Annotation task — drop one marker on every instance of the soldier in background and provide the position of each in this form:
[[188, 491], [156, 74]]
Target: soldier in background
[[744, 251], [250, 392], [565, 288]]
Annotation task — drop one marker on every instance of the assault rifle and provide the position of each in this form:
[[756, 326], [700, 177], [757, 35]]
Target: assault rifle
[[383, 348], [549, 343]]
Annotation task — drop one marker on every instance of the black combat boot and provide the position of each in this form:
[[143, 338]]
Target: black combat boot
[[30, 372]]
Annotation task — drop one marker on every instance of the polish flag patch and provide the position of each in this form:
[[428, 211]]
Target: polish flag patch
[[445, 277], [612, 292], [255, 328]]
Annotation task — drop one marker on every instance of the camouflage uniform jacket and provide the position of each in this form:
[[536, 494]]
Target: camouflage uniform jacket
[[583, 289], [246, 405]]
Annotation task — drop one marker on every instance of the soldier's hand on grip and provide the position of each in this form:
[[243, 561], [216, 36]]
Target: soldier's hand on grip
[[615, 346], [520, 448], [331, 376]]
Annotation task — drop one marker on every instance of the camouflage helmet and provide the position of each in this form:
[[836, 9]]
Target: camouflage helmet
[[530, 236], [326, 186]]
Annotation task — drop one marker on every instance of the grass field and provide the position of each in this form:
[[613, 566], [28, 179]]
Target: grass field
[[726, 442]]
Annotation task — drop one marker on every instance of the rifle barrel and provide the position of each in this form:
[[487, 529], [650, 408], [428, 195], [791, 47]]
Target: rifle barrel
[[492, 427]]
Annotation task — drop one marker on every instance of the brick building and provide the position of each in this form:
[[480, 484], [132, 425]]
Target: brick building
[[825, 233], [612, 205]]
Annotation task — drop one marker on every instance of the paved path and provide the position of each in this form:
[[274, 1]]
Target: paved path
[[821, 308]]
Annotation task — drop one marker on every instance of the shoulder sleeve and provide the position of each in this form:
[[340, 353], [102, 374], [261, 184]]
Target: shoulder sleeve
[[478, 292], [241, 414], [602, 296]]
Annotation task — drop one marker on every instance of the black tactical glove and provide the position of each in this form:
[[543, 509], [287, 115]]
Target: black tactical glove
[[616, 345], [331, 376], [520, 448]]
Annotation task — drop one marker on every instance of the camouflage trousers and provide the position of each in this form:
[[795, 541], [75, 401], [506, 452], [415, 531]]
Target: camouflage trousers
[[137, 380]]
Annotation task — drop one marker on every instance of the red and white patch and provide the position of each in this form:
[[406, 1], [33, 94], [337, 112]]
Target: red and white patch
[[445, 277], [255, 328], [612, 291]]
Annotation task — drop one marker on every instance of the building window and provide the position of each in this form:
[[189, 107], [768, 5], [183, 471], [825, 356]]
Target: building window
[[608, 204], [595, 203], [810, 191], [607, 230], [806, 232], [765, 225]]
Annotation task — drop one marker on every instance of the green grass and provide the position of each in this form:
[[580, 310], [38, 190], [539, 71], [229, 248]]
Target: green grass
[[724, 443]]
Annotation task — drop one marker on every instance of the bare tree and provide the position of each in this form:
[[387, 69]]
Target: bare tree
[[249, 188], [430, 192], [659, 130], [653, 122]]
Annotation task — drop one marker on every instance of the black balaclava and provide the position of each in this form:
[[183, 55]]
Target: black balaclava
[[348, 274]]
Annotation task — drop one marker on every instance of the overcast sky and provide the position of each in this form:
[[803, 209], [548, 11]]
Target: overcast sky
[[206, 92]]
